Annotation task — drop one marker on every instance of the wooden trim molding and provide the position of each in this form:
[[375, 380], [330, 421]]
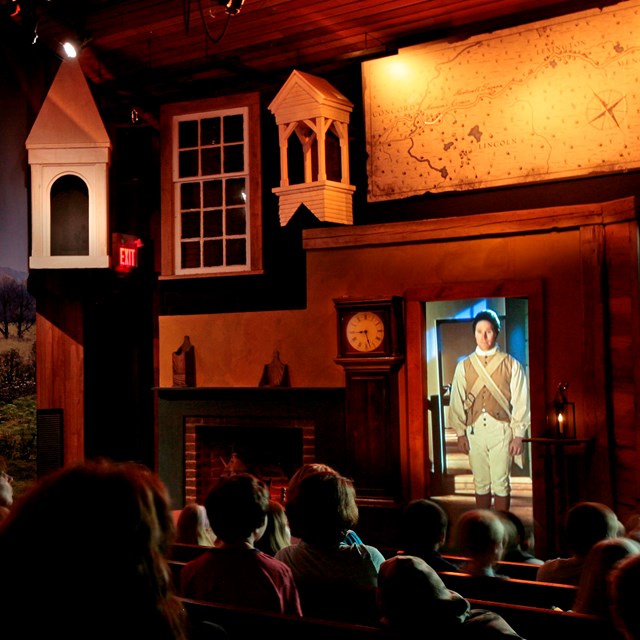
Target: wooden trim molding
[[476, 226]]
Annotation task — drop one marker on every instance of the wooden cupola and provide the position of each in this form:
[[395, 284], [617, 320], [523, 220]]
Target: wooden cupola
[[319, 116], [69, 153]]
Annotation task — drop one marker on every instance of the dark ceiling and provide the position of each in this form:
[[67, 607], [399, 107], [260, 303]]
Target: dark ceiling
[[155, 51]]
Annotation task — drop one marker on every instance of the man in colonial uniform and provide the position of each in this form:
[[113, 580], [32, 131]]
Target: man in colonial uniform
[[490, 412]]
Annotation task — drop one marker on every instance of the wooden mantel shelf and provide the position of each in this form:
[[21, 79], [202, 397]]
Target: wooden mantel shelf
[[180, 391]]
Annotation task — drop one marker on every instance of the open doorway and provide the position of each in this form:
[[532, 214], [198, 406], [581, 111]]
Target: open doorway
[[449, 338]]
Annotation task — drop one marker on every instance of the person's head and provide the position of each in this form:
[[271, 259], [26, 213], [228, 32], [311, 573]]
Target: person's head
[[237, 507], [277, 535], [193, 526], [423, 525], [480, 534], [588, 523], [517, 534], [322, 508], [6, 489], [592, 590], [411, 594], [306, 470], [623, 587], [486, 327], [94, 534]]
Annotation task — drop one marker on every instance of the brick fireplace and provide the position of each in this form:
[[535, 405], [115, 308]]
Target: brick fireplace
[[271, 431], [269, 448]]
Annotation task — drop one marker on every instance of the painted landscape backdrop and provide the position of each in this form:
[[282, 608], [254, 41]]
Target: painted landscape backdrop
[[17, 379]]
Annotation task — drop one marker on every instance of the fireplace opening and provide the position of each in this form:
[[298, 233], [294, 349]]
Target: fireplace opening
[[270, 450]]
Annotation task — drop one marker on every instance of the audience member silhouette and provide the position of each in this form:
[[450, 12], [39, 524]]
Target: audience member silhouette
[[623, 588], [234, 572], [6, 494], [193, 526], [277, 535], [423, 531], [335, 579], [592, 596], [351, 537], [415, 603], [480, 537], [632, 527], [83, 555], [518, 540], [586, 524]]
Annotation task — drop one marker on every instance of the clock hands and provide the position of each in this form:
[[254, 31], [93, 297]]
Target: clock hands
[[366, 334]]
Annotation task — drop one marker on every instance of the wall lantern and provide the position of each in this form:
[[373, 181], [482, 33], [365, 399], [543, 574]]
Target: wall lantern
[[69, 153], [563, 413]]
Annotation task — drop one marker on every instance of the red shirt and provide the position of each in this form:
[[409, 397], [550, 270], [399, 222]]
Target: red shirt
[[241, 577]]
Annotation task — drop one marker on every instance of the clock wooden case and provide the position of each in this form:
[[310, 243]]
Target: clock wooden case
[[370, 330], [371, 350]]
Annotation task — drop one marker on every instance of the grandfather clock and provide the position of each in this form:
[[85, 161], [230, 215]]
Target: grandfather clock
[[371, 350]]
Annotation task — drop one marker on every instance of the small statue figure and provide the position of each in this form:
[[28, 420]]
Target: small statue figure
[[184, 365], [276, 373]]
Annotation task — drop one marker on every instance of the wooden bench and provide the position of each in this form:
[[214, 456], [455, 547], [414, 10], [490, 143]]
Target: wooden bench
[[243, 623], [520, 570], [545, 595], [532, 623], [535, 623]]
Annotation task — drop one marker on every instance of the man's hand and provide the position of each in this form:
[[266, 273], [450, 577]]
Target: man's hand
[[463, 444], [515, 446]]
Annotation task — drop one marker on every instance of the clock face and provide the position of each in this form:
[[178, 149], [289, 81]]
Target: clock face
[[365, 331]]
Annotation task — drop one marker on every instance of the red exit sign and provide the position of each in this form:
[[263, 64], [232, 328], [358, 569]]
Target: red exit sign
[[125, 249]]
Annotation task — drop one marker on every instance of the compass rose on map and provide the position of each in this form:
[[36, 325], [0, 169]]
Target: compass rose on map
[[607, 110]]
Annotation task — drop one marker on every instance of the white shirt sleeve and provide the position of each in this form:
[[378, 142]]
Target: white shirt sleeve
[[457, 414], [520, 402]]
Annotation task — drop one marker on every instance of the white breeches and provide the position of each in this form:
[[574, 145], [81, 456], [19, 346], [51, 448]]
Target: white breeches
[[489, 455]]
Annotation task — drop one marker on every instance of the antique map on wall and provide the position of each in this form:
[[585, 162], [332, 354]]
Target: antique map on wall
[[548, 100]]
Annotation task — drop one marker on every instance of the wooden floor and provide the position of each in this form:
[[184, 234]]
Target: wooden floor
[[462, 497]]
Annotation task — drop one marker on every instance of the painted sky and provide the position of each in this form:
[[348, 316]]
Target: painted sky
[[14, 210]]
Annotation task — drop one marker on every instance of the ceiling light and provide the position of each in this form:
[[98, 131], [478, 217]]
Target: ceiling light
[[69, 50], [232, 7]]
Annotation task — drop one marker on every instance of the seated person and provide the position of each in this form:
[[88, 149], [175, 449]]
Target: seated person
[[480, 537], [423, 531], [335, 579], [586, 524], [592, 597], [100, 571], [277, 535], [518, 540], [624, 585], [351, 537], [193, 526], [234, 572], [414, 602]]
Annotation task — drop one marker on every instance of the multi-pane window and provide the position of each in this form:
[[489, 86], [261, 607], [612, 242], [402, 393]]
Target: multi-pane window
[[211, 192]]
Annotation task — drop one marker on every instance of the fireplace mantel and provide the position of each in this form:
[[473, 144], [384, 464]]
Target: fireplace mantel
[[324, 407]]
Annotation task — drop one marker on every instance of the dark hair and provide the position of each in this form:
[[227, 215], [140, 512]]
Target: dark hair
[[92, 536], [588, 523], [236, 506], [322, 507], [489, 316], [423, 524]]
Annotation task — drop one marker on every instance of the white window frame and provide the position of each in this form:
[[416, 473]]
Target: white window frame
[[249, 106]]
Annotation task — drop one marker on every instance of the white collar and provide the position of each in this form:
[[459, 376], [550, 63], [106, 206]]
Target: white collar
[[486, 354]]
